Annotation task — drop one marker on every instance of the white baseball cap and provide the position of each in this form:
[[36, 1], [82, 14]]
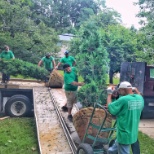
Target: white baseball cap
[[125, 84]]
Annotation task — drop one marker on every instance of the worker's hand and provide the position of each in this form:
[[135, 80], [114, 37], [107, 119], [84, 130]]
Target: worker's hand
[[115, 94], [81, 83], [109, 90], [56, 67], [135, 90]]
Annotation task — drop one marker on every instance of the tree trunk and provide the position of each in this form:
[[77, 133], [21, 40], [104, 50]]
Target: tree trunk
[[111, 77]]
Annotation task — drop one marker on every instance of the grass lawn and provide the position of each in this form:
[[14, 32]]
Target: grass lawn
[[146, 144], [18, 136], [22, 77]]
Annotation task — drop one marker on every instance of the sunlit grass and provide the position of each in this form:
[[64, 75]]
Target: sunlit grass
[[146, 144], [18, 136], [22, 77], [80, 78]]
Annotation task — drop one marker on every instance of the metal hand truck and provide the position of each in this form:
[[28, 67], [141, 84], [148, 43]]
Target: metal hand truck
[[97, 145]]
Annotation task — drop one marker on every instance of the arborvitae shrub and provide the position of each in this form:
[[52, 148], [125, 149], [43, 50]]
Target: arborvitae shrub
[[15, 67]]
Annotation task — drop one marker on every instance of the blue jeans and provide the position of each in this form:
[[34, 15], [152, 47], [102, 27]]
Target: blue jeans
[[114, 148], [123, 149]]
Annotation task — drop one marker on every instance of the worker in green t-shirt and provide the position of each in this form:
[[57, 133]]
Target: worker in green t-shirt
[[6, 55], [48, 61], [67, 59], [70, 85], [127, 110]]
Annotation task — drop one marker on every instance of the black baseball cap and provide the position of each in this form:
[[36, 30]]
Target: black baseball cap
[[66, 66], [66, 52]]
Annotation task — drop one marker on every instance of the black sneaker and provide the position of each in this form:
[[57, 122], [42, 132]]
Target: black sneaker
[[64, 108], [70, 118], [2, 82]]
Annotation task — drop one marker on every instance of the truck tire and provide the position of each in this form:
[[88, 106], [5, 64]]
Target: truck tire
[[18, 106], [84, 148]]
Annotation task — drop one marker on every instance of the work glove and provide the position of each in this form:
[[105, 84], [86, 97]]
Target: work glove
[[109, 91]]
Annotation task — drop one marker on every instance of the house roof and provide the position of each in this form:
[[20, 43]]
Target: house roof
[[66, 37]]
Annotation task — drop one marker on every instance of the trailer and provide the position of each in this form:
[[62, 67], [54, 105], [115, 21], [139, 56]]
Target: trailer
[[16, 98], [22, 98], [140, 75]]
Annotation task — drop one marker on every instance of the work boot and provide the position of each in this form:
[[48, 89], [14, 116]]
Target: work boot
[[64, 108], [7, 81], [70, 118]]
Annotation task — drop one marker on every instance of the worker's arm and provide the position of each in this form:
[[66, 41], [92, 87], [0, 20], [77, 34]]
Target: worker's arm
[[54, 63], [58, 65], [77, 83], [109, 95], [74, 63], [13, 57], [109, 99], [135, 90], [40, 63]]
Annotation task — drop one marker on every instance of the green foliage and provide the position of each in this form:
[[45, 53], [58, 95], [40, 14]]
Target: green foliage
[[66, 14], [121, 44], [147, 21], [145, 51], [26, 69], [92, 60], [27, 39]]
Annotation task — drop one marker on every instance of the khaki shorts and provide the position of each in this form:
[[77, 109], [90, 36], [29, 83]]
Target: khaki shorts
[[71, 98]]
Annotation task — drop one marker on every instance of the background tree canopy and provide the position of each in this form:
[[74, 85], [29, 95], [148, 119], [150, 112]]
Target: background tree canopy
[[147, 38], [28, 40], [31, 28]]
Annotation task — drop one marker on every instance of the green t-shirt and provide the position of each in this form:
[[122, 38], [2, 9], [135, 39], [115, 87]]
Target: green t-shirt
[[48, 62], [70, 77], [128, 110], [67, 60], [7, 55]]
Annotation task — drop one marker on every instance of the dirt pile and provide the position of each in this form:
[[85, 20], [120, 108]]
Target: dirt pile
[[55, 80], [81, 120]]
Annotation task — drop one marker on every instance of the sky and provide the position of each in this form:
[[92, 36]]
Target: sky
[[127, 10]]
